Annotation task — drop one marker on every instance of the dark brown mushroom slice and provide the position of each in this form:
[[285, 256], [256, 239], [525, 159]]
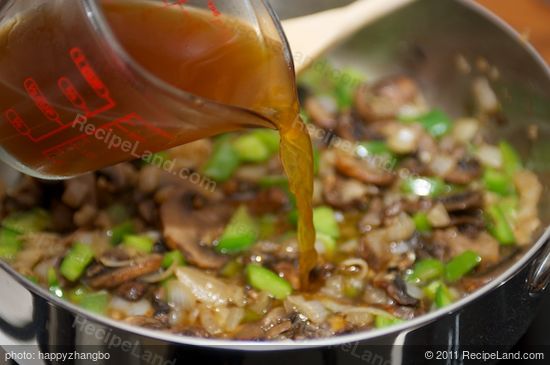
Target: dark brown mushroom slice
[[268, 201], [250, 332], [362, 170], [80, 190], [465, 171], [322, 115], [188, 227], [147, 322], [384, 99], [132, 290], [397, 290], [466, 200], [112, 278]]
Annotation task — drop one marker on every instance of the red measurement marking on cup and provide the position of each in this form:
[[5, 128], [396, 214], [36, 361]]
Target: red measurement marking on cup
[[71, 93], [211, 5], [34, 92], [17, 122]]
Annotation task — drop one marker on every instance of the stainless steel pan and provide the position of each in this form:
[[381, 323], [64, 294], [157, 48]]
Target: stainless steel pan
[[423, 40]]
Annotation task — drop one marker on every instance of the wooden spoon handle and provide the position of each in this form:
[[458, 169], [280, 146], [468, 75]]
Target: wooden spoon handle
[[312, 35]]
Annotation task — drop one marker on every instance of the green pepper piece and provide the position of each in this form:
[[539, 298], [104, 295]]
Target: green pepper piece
[[171, 257], [375, 148], [239, 234], [57, 291], [427, 270], [383, 321], [435, 122], [121, 230], [431, 289], [425, 186], [279, 181], [10, 243], [232, 269], [224, 160], [52, 277], [270, 138], [267, 226], [76, 261], [141, 243], [266, 280], [443, 296], [95, 302], [498, 182], [34, 220], [499, 225], [325, 222], [511, 162], [328, 244], [422, 222], [250, 148], [75, 295], [461, 265]]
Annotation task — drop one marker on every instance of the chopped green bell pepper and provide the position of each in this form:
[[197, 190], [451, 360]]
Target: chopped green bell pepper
[[241, 232], [10, 243], [34, 220], [382, 321], [250, 148], [499, 225], [435, 122], [76, 261], [266, 280], [443, 296], [171, 257], [224, 160], [95, 302], [498, 182], [425, 186], [325, 222], [461, 265], [422, 222], [511, 162], [427, 270], [270, 138], [140, 243], [121, 230]]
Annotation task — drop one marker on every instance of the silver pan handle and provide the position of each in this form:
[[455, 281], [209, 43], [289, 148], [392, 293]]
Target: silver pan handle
[[539, 277]]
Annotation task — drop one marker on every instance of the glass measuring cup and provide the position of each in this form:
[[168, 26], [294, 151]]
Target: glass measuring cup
[[73, 99]]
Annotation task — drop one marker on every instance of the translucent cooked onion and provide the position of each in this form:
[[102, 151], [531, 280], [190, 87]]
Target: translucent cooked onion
[[130, 309], [359, 266], [414, 291], [208, 321], [178, 295], [438, 216], [484, 96], [161, 275], [441, 165], [111, 262], [313, 310], [208, 289], [465, 129], [489, 156]]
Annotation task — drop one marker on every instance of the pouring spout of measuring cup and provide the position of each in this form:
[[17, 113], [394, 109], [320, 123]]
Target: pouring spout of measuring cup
[[90, 84]]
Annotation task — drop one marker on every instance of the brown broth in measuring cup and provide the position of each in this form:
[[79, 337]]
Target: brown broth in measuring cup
[[206, 54]]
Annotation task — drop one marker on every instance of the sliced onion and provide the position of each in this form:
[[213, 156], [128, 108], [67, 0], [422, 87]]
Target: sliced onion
[[414, 291], [404, 139], [179, 296], [110, 262], [465, 129], [441, 165], [356, 262], [485, 97], [209, 289], [208, 321], [313, 310], [130, 309], [161, 275], [438, 216], [489, 156]]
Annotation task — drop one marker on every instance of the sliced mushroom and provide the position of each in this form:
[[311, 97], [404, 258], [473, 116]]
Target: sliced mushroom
[[385, 99], [462, 201], [456, 243], [189, 229], [466, 171], [111, 278], [322, 112], [398, 291], [364, 170], [132, 290]]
